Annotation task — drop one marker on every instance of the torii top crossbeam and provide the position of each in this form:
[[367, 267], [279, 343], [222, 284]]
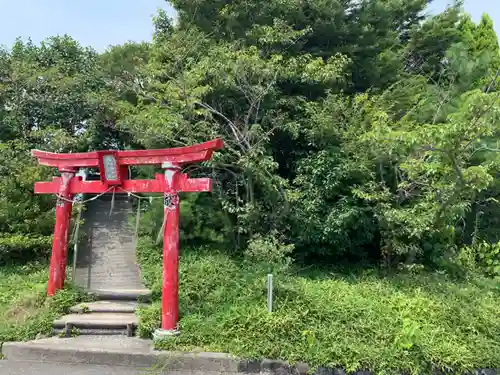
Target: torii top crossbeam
[[111, 174], [178, 155]]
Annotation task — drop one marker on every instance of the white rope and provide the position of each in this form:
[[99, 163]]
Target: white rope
[[159, 236], [85, 201], [112, 188], [150, 197]]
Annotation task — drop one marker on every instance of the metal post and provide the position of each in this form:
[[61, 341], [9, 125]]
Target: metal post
[[270, 292], [82, 173], [75, 245], [58, 258], [170, 283]]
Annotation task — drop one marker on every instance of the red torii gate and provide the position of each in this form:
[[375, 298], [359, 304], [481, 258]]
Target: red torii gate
[[113, 166]]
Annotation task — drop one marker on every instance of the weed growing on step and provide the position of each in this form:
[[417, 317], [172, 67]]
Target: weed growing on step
[[148, 316], [25, 311]]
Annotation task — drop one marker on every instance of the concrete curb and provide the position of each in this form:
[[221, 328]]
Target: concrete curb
[[272, 366], [283, 368], [143, 356], [157, 360], [171, 361]]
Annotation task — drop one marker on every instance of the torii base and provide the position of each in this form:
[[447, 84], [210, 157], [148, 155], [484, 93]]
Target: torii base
[[161, 334]]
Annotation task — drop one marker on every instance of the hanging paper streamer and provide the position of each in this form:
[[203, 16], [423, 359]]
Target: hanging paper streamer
[[112, 203]]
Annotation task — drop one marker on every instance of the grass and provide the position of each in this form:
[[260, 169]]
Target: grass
[[25, 311], [412, 323]]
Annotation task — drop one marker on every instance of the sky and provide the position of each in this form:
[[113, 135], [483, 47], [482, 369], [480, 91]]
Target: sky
[[96, 23], [101, 23]]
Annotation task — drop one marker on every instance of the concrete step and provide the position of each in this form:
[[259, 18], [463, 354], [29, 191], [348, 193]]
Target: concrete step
[[61, 332], [97, 320], [105, 350], [105, 307], [142, 295], [116, 351], [106, 321]]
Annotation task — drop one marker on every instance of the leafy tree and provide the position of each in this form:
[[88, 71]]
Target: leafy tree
[[486, 39], [276, 82], [482, 43], [46, 102], [187, 98], [46, 92], [354, 130]]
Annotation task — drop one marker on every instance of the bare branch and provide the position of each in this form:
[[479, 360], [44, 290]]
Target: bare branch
[[456, 167], [259, 98], [432, 148], [493, 81], [444, 100], [239, 137]]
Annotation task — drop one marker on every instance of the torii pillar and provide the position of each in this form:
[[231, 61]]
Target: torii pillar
[[113, 166]]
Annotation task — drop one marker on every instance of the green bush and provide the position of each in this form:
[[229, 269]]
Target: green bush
[[481, 257], [202, 219], [269, 251], [412, 322], [149, 316], [25, 310], [488, 257], [20, 248]]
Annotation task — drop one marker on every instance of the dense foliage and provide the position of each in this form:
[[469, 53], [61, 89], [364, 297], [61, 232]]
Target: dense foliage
[[354, 130], [413, 323], [25, 310]]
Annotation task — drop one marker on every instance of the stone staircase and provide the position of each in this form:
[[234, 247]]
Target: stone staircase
[[106, 266]]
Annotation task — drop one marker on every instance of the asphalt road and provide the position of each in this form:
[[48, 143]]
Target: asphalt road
[[36, 368]]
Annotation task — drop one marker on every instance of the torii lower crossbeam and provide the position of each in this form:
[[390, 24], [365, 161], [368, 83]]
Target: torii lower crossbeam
[[76, 186]]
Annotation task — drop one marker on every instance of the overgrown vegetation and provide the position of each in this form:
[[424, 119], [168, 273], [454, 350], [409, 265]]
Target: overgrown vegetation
[[360, 133], [25, 310], [354, 131], [412, 321]]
